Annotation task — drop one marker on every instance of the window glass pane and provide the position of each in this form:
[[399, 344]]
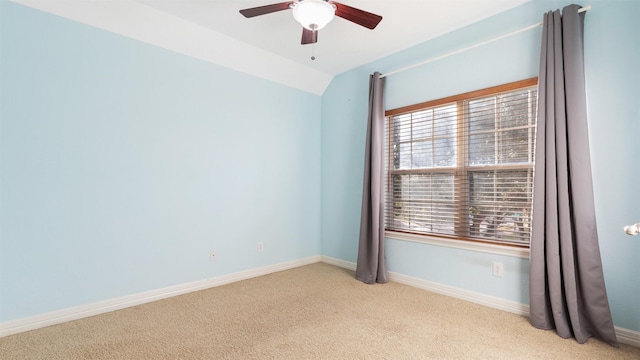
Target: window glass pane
[[514, 146], [445, 121], [404, 156], [482, 115], [421, 155], [445, 152], [420, 183], [423, 202], [442, 187], [432, 203], [443, 219], [514, 109], [402, 127], [482, 149], [422, 123], [499, 203], [398, 187]]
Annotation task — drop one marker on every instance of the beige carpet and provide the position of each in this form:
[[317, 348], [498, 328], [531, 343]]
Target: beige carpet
[[313, 312]]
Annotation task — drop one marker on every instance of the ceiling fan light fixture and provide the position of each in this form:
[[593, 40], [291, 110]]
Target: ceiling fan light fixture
[[313, 14]]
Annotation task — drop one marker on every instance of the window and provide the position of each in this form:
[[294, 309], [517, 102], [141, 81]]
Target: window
[[462, 167]]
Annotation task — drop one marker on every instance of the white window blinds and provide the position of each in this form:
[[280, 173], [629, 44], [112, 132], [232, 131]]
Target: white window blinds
[[463, 166]]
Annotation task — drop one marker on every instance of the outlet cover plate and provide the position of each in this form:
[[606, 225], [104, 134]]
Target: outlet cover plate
[[498, 269]]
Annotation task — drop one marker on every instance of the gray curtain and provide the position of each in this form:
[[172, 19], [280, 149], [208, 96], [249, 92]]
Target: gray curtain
[[567, 290], [371, 266]]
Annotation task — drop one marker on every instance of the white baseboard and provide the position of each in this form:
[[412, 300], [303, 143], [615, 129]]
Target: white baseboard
[[471, 296], [101, 307], [339, 263], [629, 337], [625, 336]]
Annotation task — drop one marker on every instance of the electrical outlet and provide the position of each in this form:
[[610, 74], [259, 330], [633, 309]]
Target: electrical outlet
[[260, 247], [498, 269], [213, 255]]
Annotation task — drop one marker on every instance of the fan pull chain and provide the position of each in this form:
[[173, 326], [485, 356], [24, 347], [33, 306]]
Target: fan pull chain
[[313, 51]]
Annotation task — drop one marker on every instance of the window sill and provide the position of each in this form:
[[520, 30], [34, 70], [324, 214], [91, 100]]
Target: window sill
[[504, 250]]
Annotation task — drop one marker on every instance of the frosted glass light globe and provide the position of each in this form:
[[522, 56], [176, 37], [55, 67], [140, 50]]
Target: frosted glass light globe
[[313, 14]]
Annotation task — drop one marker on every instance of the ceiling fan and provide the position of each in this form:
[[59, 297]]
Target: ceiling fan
[[313, 15]]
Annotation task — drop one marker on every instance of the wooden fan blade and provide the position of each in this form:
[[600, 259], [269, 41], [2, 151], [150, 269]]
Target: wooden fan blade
[[357, 16], [266, 9], [309, 36]]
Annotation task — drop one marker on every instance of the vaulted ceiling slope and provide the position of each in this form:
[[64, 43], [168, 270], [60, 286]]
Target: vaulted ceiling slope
[[268, 46]]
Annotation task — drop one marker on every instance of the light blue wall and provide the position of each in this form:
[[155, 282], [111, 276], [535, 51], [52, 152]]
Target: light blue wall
[[612, 50], [123, 165], [612, 55]]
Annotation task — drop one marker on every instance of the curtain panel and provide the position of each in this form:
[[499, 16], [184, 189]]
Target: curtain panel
[[371, 265], [567, 290]]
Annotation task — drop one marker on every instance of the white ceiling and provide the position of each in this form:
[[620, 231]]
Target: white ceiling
[[269, 45], [342, 45]]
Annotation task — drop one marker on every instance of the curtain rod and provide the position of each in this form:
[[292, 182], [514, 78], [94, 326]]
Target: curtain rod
[[586, 8]]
